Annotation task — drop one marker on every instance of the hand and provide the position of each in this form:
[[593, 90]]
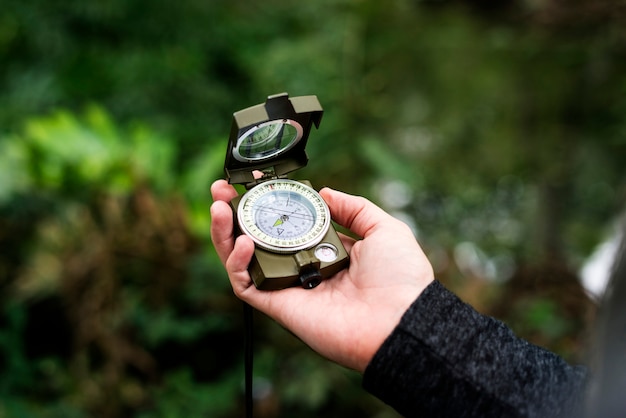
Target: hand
[[347, 317]]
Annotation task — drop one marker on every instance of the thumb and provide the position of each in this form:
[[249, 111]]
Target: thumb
[[353, 212]]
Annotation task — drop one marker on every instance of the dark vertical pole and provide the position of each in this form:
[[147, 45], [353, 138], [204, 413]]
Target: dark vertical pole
[[247, 315]]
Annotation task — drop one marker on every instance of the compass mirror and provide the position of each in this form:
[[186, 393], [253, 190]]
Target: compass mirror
[[267, 140]]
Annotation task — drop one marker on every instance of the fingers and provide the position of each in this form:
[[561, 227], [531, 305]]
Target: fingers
[[222, 218], [222, 229], [221, 190], [355, 213], [237, 264], [235, 254]]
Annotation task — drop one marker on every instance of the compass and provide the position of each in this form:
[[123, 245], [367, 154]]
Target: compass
[[288, 220]]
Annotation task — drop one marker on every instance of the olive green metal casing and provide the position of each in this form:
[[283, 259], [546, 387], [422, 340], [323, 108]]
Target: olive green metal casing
[[306, 110], [271, 270]]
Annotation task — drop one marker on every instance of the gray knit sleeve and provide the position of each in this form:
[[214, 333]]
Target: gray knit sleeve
[[444, 359]]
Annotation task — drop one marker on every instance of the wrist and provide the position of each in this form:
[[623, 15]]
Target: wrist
[[383, 323]]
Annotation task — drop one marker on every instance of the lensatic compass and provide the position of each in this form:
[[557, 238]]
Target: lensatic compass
[[289, 222]]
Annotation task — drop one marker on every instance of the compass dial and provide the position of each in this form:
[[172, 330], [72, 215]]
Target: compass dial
[[283, 215]]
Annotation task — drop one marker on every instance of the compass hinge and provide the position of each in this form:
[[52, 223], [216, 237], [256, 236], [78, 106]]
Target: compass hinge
[[268, 174]]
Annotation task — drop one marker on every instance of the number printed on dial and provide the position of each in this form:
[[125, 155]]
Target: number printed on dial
[[284, 215]]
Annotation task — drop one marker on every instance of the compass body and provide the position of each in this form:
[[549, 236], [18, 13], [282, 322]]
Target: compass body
[[289, 222]]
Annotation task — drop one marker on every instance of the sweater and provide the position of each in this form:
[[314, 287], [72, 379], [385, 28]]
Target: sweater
[[444, 359]]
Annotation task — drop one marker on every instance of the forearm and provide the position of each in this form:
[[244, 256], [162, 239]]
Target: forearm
[[446, 359]]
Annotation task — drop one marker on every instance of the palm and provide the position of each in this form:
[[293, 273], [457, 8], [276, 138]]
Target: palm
[[346, 317], [352, 302]]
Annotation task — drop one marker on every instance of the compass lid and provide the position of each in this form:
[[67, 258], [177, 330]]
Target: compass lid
[[271, 134]]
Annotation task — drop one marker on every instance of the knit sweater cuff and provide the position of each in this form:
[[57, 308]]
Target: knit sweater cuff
[[446, 359]]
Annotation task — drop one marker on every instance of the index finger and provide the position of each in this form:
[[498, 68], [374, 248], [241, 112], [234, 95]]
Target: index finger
[[221, 190]]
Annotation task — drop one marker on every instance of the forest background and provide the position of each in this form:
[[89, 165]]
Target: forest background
[[495, 129]]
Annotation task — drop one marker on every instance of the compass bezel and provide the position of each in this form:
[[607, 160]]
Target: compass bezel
[[246, 216]]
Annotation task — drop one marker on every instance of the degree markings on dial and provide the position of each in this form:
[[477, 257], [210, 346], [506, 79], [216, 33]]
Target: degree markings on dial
[[273, 215]]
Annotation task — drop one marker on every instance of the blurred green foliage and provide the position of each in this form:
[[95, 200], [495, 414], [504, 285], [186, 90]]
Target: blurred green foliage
[[495, 129]]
